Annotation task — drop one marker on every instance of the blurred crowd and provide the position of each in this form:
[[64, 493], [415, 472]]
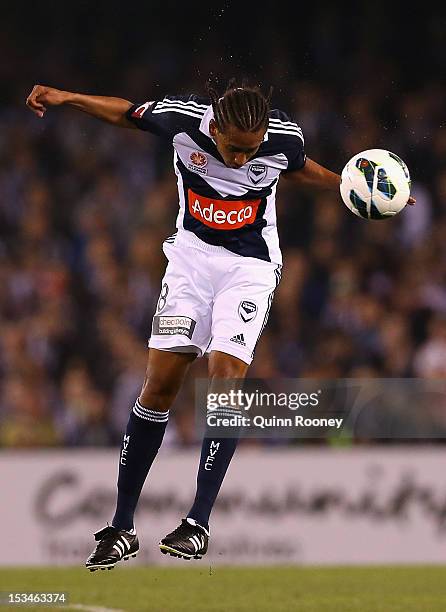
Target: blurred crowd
[[84, 208]]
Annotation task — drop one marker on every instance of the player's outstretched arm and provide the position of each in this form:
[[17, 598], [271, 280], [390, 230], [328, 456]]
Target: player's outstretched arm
[[313, 175], [105, 108]]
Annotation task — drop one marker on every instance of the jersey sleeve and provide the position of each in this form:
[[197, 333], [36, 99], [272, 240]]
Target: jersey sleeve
[[291, 139], [166, 117], [296, 155]]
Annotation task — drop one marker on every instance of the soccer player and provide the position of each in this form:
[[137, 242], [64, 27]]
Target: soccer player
[[224, 264]]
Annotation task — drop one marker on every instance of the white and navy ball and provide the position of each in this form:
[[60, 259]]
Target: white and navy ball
[[375, 184]]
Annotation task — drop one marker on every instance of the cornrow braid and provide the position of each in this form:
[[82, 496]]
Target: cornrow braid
[[245, 107]]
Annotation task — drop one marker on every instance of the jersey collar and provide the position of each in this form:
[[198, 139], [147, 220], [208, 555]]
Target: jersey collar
[[204, 125]]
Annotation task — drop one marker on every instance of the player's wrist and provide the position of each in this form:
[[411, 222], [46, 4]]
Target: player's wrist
[[332, 181], [67, 97]]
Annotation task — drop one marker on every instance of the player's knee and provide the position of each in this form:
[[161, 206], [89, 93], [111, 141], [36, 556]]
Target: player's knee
[[157, 395], [226, 366]]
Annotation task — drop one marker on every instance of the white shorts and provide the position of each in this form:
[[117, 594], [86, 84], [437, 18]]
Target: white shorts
[[213, 301]]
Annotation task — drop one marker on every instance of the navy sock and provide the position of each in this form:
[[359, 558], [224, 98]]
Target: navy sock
[[216, 455], [142, 439]]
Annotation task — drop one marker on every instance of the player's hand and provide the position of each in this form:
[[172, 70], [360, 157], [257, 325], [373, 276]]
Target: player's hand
[[42, 96], [411, 201]]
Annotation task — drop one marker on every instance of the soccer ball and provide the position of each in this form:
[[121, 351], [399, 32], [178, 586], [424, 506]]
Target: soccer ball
[[375, 184]]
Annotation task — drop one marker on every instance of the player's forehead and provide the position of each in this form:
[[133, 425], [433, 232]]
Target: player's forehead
[[236, 138]]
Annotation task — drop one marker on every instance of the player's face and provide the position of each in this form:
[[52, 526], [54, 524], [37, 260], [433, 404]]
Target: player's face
[[235, 146]]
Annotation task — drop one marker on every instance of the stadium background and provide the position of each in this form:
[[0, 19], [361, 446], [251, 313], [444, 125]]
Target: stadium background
[[84, 208]]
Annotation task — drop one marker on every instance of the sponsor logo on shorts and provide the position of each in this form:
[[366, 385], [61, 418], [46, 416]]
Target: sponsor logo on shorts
[[238, 339], [172, 325], [257, 172], [247, 311], [198, 162], [222, 214]]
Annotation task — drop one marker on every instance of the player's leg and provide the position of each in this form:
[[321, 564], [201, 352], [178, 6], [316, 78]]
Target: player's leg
[[190, 539], [145, 429], [180, 331], [222, 368], [142, 439]]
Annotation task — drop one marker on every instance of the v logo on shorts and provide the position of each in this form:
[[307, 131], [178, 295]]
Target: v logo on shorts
[[247, 310]]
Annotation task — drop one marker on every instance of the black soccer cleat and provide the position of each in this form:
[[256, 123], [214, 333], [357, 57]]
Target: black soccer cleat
[[188, 541], [114, 545]]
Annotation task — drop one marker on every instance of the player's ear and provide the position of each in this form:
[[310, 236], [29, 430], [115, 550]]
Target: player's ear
[[212, 128]]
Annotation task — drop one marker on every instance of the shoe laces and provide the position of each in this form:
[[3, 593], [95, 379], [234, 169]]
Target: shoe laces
[[183, 528], [106, 537]]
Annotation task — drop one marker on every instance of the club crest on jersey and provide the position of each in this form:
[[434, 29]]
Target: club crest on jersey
[[247, 311], [257, 172], [198, 162]]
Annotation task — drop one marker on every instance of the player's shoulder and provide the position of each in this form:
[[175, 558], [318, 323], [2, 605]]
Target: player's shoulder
[[284, 137], [186, 103], [281, 127], [189, 97], [169, 115]]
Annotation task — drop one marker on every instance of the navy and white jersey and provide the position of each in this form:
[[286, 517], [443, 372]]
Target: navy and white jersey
[[234, 209]]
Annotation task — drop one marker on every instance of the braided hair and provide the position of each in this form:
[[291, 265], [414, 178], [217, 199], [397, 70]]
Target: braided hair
[[245, 107]]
